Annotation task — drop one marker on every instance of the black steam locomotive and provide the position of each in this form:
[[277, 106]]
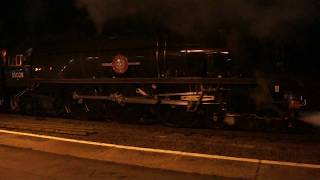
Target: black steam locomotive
[[115, 77]]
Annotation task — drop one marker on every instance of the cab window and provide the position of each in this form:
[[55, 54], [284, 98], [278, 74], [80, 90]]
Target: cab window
[[16, 61]]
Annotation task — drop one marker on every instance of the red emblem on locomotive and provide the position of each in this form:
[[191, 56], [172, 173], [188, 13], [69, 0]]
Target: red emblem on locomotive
[[120, 64]]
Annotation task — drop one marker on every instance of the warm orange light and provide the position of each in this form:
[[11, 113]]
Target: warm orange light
[[207, 51], [295, 104]]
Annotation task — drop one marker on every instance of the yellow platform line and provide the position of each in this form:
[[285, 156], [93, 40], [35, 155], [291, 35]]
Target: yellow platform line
[[169, 152]]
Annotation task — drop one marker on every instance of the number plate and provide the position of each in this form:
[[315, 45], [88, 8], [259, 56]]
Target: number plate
[[17, 75]]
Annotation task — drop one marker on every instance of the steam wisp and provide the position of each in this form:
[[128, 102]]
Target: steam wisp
[[261, 19], [312, 118]]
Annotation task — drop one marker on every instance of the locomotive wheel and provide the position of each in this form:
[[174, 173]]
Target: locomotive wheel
[[179, 117], [14, 104], [95, 110], [84, 111], [128, 114], [25, 105], [147, 114], [21, 104], [78, 111], [47, 105], [132, 114]]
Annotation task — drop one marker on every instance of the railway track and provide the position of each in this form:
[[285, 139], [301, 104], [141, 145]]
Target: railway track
[[45, 126], [50, 129]]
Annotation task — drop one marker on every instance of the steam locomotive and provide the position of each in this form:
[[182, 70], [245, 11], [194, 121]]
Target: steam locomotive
[[174, 81]]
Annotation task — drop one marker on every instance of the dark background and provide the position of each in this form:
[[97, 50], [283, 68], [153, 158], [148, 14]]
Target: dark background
[[256, 31]]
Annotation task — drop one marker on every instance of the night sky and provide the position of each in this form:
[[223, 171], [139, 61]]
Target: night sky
[[259, 30]]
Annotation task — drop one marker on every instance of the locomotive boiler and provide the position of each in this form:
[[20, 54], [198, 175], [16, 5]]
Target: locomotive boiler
[[174, 81]]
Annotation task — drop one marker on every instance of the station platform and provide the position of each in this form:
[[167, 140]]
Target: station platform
[[196, 165], [26, 164]]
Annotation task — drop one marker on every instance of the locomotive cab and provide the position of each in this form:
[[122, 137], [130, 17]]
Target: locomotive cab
[[15, 75], [16, 71]]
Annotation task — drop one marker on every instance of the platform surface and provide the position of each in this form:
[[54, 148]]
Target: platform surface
[[26, 164], [147, 159]]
